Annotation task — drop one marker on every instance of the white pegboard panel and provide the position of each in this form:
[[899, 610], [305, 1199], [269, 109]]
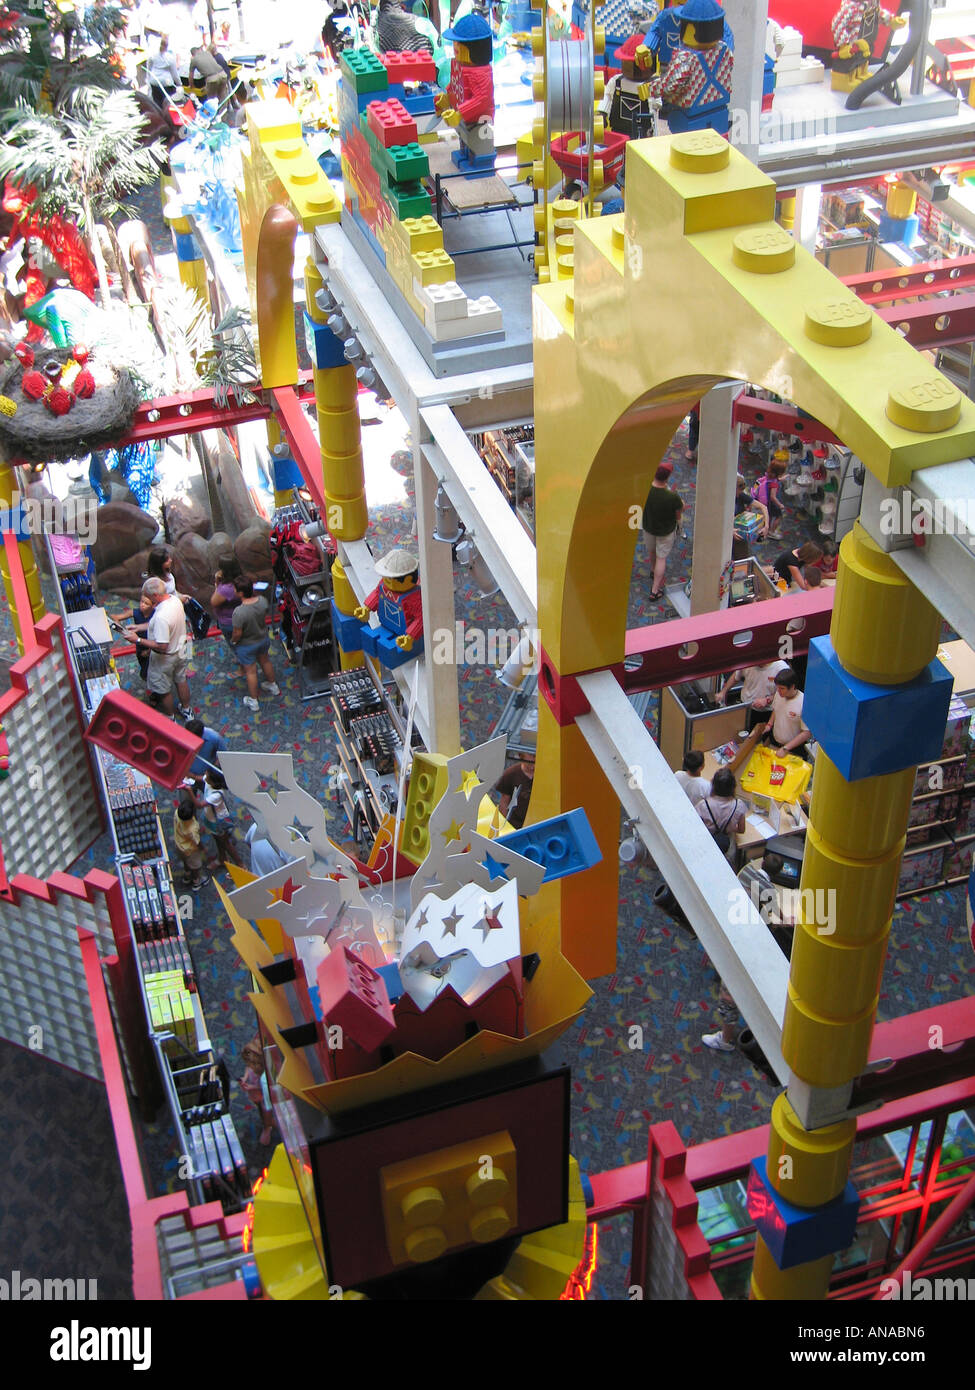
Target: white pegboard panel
[[49, 812], [44, 986]]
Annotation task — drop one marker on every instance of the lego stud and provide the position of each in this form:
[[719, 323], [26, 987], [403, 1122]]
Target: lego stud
[[565, 207], [839, 322], [570, 298], [924, 403], [483, 1191], [423, 1206], [426, 1244], [490, 1224], [700, 152], [764, 250], [291, 149], [303, 176], [319, 202]]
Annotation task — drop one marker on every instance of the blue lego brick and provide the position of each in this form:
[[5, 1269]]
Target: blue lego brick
[[346, 630], [900, 229], [564, 844], [418, 103], [394, 985], [314, 995], [186, 247], [286, 472], [380, 644], [796, 1235], [479, 166], [14, 521], [872, 730], [251, 1279], [324, 349]]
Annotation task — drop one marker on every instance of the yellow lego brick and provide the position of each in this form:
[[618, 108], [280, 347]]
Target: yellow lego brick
[[270, 121], [428, 782], [193, 274], [688, 201], [432, 267], [450, 1198], [421, 234], [309, 191]]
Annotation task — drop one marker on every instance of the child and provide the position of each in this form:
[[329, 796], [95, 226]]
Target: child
[[766, 491], [829, 562], [695, 786], [250, 1083], [186, 833], [220, 822]]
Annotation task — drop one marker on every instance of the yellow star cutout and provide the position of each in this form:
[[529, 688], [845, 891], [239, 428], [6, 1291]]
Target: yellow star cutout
[[453, 831], [469, 781]]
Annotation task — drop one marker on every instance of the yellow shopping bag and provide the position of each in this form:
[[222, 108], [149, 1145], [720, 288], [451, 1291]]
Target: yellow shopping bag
[[779, 775]]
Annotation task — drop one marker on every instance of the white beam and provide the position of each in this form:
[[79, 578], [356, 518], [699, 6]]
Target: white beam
[[749, 21], [714, 507], [723, 916], [506, 546]]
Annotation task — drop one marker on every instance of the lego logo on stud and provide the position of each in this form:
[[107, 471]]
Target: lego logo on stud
[[700, 152], [839, 322], [764, 250], [924, 404]]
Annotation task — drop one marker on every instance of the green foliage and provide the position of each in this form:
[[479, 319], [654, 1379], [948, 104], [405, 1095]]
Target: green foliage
[[83, 163], [31, 73], [230, 366]]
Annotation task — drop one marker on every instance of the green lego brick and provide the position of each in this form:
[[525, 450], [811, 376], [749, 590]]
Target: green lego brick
[[404, 163], [363, 71], [406, 199]]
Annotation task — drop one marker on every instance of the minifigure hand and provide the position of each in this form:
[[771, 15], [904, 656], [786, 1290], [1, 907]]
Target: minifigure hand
[[845, 51], [643, 91], [451, 117], [643, 57], [405, 643], [441, 103], [898, 21], [361, 613], [861, 46]]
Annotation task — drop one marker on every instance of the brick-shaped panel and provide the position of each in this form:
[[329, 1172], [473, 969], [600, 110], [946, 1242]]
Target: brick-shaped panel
[[146, 740]]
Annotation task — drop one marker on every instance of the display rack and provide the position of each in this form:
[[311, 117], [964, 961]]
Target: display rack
[[188, 1066], [371, 744], [306, 615], [509, 454]]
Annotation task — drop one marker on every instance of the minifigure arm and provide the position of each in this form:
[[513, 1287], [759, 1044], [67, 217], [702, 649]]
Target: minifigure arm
[[847, 22], [677, 82], [479, 99], [413, 613]]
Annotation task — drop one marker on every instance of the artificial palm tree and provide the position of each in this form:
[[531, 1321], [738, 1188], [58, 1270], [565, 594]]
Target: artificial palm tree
[[82, 163], [31, 71]]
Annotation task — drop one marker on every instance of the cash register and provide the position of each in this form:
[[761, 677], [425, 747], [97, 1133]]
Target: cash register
[[789, 848]]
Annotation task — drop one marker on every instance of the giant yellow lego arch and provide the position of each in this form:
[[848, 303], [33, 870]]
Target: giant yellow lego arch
[[693, 284]]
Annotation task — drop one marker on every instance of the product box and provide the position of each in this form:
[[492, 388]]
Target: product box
[[844, 209], [748, 525], [952, 778], [924, 812], [957, 728], [958, 859], [923, 868], [965, 819]]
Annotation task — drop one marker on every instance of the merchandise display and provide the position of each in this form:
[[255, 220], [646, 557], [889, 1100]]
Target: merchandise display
[[486, 757]]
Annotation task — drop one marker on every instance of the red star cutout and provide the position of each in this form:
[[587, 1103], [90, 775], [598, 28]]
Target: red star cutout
[[285, 893]]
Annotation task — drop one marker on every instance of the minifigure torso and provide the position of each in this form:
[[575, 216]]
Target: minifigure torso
[[858, 19], [471, 91], [400, 613], [699, 79]]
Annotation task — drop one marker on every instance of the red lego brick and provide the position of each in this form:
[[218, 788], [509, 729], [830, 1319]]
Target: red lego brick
[[391, 123], [142, 738], [409, 67], [354, 996]]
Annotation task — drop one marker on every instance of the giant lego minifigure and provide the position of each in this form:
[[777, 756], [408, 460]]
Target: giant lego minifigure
[[626, 104], [855, 27], [397, 603], [468, 102], [663, 39], [696, 87], [396, 31]]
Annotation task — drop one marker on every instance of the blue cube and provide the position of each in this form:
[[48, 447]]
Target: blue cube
[[324, 348], [287, 474], [797, 1235], [186, 247], [873, 730], [346, 630]]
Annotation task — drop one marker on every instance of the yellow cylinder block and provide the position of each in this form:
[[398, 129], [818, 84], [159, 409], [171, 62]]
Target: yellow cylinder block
[[865, 818], [335, 387], [599, 39], [598, 85], [818, 1159], [598, 128], [538, 133], [901, 200], [342, 591], [883, 630], [343, 473], [825, 1051], [848, 898], [346, 517], [538, 43], [538, 173], [338, 432], [565, 266], [806, 1283], [787, 213], [838, 981], [538, 216], [538, 87]]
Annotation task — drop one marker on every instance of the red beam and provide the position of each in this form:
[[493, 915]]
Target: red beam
[[749, 410], [711, 639], [942, 322], [304, 446], [884, 286], [167, 416]]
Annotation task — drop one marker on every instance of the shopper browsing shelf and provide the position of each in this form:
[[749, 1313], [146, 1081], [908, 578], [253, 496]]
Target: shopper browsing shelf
[[757, 685], [250, 641], [791, 563]]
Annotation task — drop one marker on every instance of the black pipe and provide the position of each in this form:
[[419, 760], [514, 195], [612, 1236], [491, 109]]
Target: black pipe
[[887, 75]]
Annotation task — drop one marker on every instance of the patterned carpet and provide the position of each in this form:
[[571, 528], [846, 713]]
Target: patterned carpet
[[663, 980]]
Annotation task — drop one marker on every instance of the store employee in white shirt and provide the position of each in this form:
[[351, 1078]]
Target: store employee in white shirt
[[786, 729], [756, 690]]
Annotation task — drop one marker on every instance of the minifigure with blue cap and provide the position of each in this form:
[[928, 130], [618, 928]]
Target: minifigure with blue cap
[[663, 38], [468, 102], [696, 87]]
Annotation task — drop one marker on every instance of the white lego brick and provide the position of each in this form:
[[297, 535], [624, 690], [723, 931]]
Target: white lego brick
[[441, 302], [486, 312], [811, 70], [789, 62]]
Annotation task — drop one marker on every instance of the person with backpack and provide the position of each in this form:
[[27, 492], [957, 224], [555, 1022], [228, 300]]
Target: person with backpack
[[218, 819], [723, 812]]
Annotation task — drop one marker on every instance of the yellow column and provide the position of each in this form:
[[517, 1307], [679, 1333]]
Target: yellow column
[[339, 433], [885, 632], [8, 487]]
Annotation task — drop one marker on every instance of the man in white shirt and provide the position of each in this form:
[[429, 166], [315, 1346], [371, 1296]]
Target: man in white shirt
[[162, 71], [166, 641], [695, 787], [786, 729], [756, 690]]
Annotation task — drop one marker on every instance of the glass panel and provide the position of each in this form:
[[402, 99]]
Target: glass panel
[[959, 1143]]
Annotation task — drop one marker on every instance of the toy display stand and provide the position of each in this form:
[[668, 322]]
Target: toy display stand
[[462, 193]]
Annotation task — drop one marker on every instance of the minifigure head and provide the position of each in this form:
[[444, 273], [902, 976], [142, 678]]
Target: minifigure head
[[399, 571], [471, 37], [701, 24], [629, 62]]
